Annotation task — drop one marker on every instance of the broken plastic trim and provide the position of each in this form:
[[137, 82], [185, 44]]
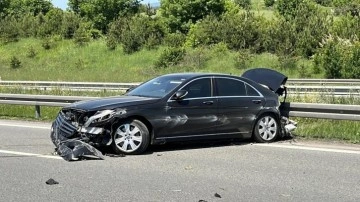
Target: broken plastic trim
[[287, 126], [70, 143]]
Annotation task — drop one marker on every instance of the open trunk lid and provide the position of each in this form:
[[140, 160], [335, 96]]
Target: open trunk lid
[[274, 80]]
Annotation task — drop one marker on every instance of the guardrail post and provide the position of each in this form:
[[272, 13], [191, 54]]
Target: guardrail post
[[37, 111]]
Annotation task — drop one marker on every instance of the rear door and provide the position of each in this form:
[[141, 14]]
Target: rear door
[[238, 105]]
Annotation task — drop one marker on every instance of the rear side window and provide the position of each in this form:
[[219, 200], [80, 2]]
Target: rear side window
[[230, 87], [251, 91]]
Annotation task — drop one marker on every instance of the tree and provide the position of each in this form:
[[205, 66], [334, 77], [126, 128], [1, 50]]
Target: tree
[[180, 14], [38, 6], [287, 8], [19, 8], [4, 5], [102, 12]]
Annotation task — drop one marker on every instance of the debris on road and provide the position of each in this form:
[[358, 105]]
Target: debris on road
[[115, 155], [51, 182], [217, 195]]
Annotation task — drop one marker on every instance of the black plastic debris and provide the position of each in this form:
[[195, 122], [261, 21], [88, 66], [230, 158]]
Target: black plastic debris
[[202, 201], [73, 148], [217, 195], [51, 182]]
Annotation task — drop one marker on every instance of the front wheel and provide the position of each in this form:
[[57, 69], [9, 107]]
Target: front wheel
[[266, 129], [130, 137]]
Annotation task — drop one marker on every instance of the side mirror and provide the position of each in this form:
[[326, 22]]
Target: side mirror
[[179, 95]]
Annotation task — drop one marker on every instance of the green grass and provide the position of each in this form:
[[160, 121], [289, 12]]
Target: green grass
[[68, 62], [94, 62], [348, 131]]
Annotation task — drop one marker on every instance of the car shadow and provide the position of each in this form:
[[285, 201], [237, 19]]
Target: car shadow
[[192, 145]]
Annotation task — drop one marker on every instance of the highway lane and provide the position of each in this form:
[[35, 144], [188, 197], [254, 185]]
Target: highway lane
[[238, 171]]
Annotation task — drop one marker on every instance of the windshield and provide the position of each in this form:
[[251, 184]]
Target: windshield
[[158, 87]]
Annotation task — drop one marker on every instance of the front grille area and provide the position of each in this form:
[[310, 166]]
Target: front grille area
[[63, 126]]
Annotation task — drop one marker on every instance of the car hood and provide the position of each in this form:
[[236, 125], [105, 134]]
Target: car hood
[[111, 103], [270, 78]]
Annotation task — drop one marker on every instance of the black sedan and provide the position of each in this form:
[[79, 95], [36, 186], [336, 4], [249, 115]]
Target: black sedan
[[173, 107]]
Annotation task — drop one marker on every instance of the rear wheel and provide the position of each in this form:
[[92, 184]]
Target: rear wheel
[[131, 137], [266, 129]]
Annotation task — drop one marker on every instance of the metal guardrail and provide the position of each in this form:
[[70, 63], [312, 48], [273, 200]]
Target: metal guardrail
[[306, 110], [337, 87]]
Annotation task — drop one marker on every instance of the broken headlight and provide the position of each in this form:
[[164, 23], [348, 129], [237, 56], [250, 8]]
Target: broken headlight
[[102, 116]]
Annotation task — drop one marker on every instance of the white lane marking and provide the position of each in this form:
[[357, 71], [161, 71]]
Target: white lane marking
[[309, 148], [30, 154], [25, 126]]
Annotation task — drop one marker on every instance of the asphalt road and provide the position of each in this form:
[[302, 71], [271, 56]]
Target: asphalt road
[[237, 171]]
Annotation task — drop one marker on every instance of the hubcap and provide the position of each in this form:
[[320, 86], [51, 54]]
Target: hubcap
[[128, 138], [267, 128]]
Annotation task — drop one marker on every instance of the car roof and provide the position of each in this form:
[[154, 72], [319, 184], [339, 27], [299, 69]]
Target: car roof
[[189, 75]]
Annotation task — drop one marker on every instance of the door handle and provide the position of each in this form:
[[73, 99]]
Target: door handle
[[208, 102], [257, 101]]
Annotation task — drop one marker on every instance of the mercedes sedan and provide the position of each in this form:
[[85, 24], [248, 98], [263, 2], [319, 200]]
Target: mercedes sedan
[[174, 107]]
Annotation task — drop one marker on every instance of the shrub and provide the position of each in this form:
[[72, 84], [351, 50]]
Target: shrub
[[111, 43], [303, 72], [196, 58], [331, 57], [47, 43], [243, 59], [80, 64], [245, 4], [15, 62], [269, 3], [287, 62], [170, 57], [175, 39], [31, 53], [71, 23], [82, 35], [239, 31], [220, 49], [131, 41], [9, 29], [136, 32]]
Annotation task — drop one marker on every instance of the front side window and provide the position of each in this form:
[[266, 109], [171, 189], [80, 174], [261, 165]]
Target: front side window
[[198, 88], [230, 87]]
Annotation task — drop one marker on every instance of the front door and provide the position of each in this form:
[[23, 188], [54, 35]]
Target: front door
[[195, 114]]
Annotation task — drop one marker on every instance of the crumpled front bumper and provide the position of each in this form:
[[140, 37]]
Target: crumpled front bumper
[[69, 143]]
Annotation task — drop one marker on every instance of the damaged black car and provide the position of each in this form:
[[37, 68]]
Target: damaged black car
[[175, 107]]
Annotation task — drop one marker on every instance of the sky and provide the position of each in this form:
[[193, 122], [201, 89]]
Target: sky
[[63, 3]]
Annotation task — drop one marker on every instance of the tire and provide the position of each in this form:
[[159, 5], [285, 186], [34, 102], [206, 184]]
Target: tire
[[266, 129], [130, 137]]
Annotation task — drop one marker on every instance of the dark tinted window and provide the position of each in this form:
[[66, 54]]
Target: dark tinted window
[[251, 91], [230, 87], [198, 88]]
